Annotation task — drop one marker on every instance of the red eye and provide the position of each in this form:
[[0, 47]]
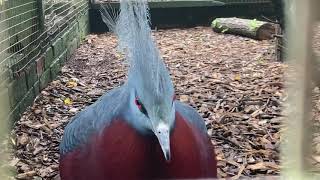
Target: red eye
[[138, 103], [141, 107]]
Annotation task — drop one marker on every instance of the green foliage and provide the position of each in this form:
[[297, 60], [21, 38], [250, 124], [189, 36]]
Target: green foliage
[[215, 23], [225, 30], [253, 24]]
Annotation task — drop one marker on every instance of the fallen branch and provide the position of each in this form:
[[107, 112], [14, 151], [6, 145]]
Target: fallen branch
[[259, 30]]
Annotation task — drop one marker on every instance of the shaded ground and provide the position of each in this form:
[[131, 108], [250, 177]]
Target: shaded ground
[[232, 81]]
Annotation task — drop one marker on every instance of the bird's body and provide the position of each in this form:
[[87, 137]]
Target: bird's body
[[137, 131], [110, 147]]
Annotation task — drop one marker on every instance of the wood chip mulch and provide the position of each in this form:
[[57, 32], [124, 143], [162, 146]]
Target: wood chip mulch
[[232, 81]]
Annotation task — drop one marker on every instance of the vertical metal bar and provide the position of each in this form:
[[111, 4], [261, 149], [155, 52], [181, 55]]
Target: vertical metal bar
[[3, 104], [41, 15], [41, 21], [297, 143]]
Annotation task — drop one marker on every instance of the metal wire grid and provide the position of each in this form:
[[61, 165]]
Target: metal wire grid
[[54, 25], [27, 26], [18, 23]]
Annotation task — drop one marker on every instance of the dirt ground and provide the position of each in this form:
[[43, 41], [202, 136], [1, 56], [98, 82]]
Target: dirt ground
[[233, 82]]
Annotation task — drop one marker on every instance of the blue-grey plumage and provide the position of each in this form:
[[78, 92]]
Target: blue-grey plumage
[[147, 76], [96, 117]]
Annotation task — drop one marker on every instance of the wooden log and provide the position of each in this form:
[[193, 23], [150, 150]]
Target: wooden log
[[255, 29]]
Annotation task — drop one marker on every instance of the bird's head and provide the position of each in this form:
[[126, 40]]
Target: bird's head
[[151, 89], [153, 99]]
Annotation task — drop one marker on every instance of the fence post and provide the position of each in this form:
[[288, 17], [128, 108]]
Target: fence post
[[297, 137], [41, 15]]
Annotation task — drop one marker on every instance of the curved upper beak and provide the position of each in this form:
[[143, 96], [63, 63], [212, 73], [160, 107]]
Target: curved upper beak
[[162, 132]]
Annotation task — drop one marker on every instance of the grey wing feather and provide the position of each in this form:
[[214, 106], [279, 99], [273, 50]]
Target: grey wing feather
[[191, 115], [91, 120], [109, 18]]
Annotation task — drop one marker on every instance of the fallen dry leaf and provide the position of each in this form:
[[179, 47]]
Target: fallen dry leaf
[[23, 139], [184, 98], [67, 101], [237, 77], [263, 166], [26, 175]]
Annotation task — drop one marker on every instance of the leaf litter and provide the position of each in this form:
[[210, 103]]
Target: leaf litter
[[232, 81]]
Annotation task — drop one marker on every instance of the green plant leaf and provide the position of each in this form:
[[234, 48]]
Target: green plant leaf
[[253, 24], [214, 23], [225, 30]]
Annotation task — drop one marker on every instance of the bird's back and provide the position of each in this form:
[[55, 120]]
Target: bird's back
[[93, 119], [99, 143]]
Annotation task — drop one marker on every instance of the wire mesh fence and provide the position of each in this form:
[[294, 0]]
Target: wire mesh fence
[[18, 25], [28, 29], [28, 26]]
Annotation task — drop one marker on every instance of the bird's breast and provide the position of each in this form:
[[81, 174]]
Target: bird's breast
[[121, 152], [118, 152]]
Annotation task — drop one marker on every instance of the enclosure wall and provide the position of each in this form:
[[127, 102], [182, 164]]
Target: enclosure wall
[[189, 13], [36, 38]]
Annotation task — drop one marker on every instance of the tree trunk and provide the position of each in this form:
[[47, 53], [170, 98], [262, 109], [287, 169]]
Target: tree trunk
[[259, 30]]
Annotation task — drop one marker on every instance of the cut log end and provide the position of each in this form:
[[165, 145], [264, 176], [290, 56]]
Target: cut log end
[[265, 31]]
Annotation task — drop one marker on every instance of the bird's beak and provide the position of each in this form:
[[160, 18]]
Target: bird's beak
[[162, 132]]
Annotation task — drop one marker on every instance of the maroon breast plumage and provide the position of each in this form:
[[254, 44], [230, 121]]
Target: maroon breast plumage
[[121, 153]]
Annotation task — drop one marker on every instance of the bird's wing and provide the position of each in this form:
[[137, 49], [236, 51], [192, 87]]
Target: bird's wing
[[191, 115], [92, 120]]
